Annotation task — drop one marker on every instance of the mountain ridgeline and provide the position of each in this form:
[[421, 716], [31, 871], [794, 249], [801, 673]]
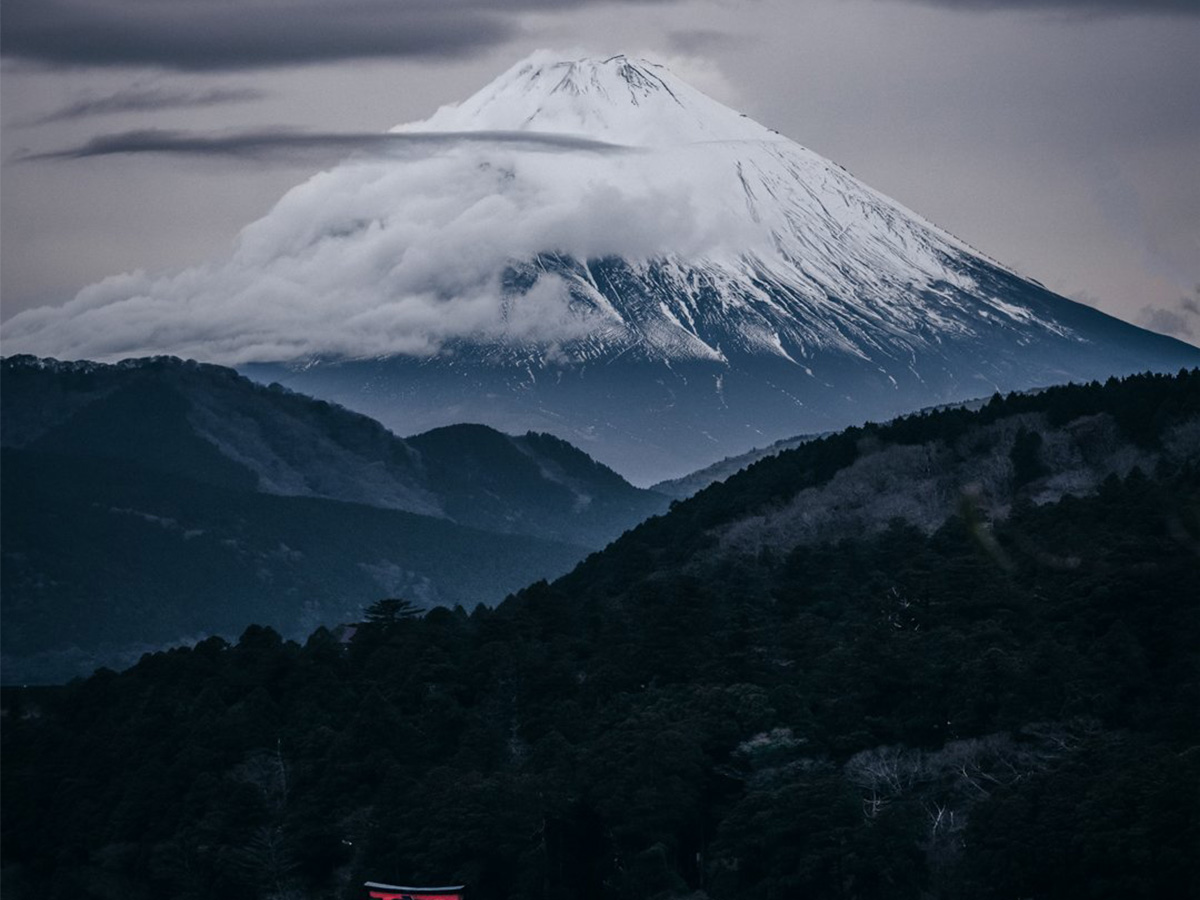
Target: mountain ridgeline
[[782, 295], [656, 417], [595, 249], [156, 500], [955, 656]]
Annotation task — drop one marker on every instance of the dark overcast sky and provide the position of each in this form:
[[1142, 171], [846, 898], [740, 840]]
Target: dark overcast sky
[[1060, 136]]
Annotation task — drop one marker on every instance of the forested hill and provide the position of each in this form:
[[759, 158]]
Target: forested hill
[[154, 501], [919, 470], [211, 425], [992, 693]]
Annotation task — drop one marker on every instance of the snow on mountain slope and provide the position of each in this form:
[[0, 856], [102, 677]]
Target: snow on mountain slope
[[791, 250], [623, 101], [753, 242], [593, 248]]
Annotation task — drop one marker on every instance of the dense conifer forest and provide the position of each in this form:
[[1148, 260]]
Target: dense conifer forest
[[994, 706]]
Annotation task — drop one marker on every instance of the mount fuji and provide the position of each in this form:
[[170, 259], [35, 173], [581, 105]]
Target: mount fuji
[[593, 248]]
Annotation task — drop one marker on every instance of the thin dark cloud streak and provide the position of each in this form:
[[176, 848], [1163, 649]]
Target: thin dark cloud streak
[[209, 36], [282, 144], [140, 100], [212, 35], [1083, 8]]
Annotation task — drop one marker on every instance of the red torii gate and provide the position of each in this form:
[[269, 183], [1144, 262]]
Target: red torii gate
[[397, 892]]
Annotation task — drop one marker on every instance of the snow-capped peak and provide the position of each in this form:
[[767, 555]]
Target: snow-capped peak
[[594, 248], [617, 99], [714, 237]]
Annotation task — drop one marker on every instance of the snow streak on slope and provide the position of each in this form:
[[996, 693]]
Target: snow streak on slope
[[683, 231]]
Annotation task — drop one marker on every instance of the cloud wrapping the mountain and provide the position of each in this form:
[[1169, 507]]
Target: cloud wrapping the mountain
[[377, 257]]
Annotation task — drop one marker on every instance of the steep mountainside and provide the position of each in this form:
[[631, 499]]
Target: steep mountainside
[[530, 484], [104, 560], [209, 424], [795, 298], [693, 482], [921, 471], [594, 249], [155, 500]]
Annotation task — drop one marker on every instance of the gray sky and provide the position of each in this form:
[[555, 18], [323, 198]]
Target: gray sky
[[1061, 137]]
